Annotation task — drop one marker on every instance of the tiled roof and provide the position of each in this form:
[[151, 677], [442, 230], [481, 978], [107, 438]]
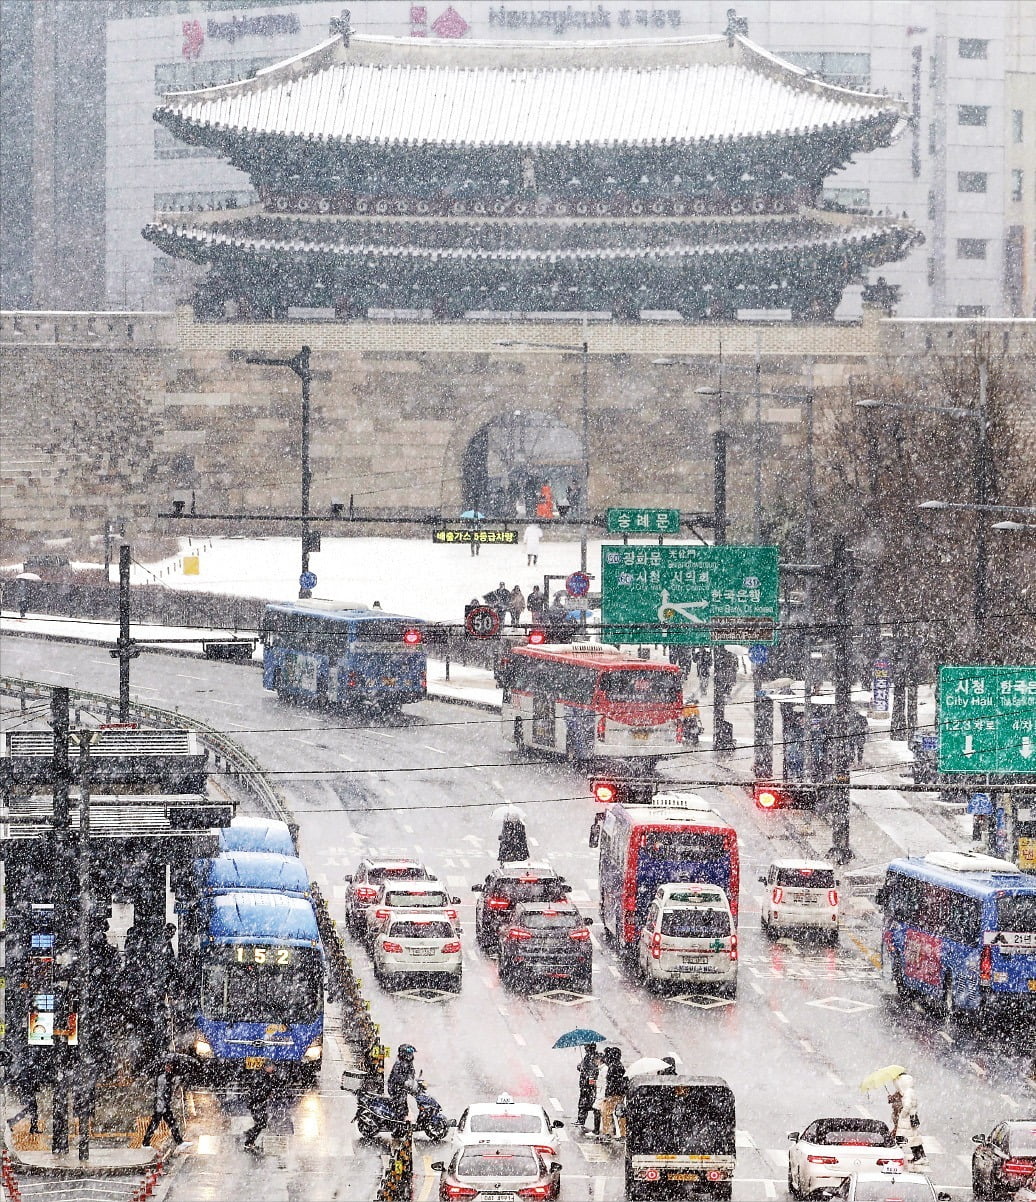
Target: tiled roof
[[520, 241], [670, 93]]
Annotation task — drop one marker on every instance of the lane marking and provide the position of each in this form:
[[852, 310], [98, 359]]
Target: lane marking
[[976, 1068], [779, 1016], [429, 747], [757, 987], [805, 1045], [1010, 1101], [946, 1037], [556, 1104], [535, 1070], [519, 1039], [654, 1027], [835, 1078], [868, 952], [348, 758]]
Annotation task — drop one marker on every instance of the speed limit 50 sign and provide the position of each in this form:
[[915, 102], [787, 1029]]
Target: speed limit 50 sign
[[481, 621]]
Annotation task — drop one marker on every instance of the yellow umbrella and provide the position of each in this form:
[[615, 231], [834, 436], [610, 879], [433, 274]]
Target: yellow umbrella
[[882, 1076]]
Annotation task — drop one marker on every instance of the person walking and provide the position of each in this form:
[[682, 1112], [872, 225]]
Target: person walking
[[589, 1071], [613, 1125], [535, 603], [163, 1108], [516, 605], [27, 1083], [905, 1118], [514, 843], [499, 598], [261, 1089], [531, 538]]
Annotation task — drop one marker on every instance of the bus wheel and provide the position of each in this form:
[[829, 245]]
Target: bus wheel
[[519, 740], [897, 976], [948, 1006]]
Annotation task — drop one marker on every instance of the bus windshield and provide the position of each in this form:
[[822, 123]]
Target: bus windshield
[[633, 687], [680, 1119], [1017, 914], [676, 846], [267, 992]]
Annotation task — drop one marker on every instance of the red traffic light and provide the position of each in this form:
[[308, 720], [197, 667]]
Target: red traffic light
[[769, 796], [536, 637], [412, 637], [604, 791]]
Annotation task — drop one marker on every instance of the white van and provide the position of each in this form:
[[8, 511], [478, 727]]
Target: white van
[[800, 893], [689, 936]]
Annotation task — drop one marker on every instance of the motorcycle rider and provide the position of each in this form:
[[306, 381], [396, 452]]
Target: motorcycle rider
[[403, 1079]]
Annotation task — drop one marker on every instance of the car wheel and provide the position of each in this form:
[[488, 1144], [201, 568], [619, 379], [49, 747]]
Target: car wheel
[[978, 1186], [948, 1003], [898, 979], [834, 937], [368, 1125], [793, 1189], [455, 982]]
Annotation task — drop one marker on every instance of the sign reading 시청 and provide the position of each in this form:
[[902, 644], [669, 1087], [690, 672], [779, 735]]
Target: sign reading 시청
[[987, 719]]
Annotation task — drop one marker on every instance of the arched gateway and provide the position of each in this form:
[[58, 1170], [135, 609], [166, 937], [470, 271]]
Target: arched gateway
[[510, 460]]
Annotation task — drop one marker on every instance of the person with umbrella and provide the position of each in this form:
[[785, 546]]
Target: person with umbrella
[[513, 841]]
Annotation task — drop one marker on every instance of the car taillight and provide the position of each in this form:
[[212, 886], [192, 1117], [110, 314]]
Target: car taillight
[[733, 947], [518, 934], [365, 893], [580, 935], [536, 1191], [822, 1159], [381, 913], [832, 897], [656, 946], [544, 1150], [451, 948], [602, 726], [898, 1160], [630, 930], [497, 903], [985, 965], [777, 896], [537, 637], [1020, 1169], [389, 946], [412, 637], [450, 913], [769, 797], [451, 1191], [351, 681]]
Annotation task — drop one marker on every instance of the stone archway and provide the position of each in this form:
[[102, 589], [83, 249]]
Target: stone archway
[[509, 459]]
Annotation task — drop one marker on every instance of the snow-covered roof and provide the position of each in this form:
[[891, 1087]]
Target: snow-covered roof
[[413, 92]]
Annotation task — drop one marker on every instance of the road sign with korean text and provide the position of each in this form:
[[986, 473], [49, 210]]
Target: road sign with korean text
[[698, 595], [643, 521], [987, 719]]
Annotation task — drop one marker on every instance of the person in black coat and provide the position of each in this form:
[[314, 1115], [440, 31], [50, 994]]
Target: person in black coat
[[614, 1092], [514, 844], [261, 1089], [589, 1069]]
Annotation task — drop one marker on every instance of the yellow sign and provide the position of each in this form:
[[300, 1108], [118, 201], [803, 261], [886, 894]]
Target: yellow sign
[[191, 565], [1027, 854]]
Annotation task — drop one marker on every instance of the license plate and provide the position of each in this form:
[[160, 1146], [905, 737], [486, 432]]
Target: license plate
[[422, 951], [1032, 986], [255, 1061], [642, 734], [692, 968], [681, 1176], [694, 959], [389, 680]]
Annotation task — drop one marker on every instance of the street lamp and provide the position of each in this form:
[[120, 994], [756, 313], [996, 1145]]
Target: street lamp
[[1014, 525], [299, 364]]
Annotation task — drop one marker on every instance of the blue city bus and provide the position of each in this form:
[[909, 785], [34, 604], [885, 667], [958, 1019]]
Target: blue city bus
[[341, 654], [261, 992], [246, 833], [959, 928], [235, 870]]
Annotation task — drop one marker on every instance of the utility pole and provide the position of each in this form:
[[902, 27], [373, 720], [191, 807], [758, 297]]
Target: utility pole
[[721, 674], [84, 1089], [983, 472], [843, 575], [125, 648], [63, 891]]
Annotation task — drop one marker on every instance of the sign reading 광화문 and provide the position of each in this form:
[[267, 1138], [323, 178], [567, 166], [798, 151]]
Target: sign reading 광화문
[[987, 719], [643, 521], [695, 595]]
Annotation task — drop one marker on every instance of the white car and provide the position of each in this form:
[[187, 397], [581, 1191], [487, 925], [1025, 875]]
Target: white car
[[689, 936], [407, 895], [800, 893], [418, 943], [506, 1121], [886, 1187], [829, 1150]]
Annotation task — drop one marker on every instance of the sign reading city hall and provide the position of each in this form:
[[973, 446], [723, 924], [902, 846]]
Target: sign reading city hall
[[695, 596], [987, 719]]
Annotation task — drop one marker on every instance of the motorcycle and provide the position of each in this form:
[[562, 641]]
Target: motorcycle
[[375, 1113]]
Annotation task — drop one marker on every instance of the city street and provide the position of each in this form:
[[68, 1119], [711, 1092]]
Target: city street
[[809, 1022]]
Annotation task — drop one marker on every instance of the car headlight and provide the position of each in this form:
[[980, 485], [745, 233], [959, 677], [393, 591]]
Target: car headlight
[[314, 1051], [203, 1049]]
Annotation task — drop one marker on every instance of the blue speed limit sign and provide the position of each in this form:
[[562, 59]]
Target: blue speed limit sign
[[578, 584]]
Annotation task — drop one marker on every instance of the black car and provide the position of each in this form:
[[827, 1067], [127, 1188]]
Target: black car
[[1004, 1160], [546, 941], [504, 888]]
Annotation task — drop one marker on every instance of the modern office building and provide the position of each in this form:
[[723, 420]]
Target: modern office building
[[86, 166]]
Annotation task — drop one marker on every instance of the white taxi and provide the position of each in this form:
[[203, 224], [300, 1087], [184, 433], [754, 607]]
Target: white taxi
[[689, 936], [414, 943], [506, 1121], [800, 893]]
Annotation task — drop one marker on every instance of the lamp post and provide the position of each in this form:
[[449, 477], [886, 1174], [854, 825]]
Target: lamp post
[[299, 364]]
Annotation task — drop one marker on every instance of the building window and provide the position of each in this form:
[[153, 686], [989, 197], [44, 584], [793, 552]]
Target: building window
[[1017, 183], [972, 114], [834, 66], [847, 198], [201, 202], [971, 310], [971, 248], [1017, 126], [167, 147], [972, 48], [931, 206], [185, 77], [931, 272], [971, 181]]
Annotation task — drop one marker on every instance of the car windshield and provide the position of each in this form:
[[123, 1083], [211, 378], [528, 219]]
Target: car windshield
[[498, 1162], [1018, 914], [806, 878], [413, 929], [846, 1136], [893, 1191], [543, 889], [560, 920], [501, 1124], [695, 924], [637, 686], [266, 992], [410, 900], [1021, 1140], [406, 872]]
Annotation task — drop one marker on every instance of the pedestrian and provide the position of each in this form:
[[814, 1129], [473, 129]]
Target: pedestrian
[[402, 1080], [905, 1118], [703, 660], [534, 603], [23, 598], [26, 1083], [516, 605], [589, 1071], [514, 844], [163, 1107], [499, 599], [531, 538], [260, 1090], [520, 508], [858, 730], [613, 1125]]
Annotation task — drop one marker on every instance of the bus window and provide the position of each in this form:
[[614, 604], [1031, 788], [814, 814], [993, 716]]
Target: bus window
[[641, 687], [233, 992], [675, 846], [1017, 914]]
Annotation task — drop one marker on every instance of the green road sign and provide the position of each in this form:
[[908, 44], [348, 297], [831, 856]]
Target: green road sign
[[690, 595], [643, 521], [987, 719]]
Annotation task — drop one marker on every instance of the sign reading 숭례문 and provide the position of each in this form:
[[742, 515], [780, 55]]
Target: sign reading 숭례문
[[643, 521], [694, 595], [987, 719]]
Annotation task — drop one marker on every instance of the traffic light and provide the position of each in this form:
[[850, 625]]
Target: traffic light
[[604, 791], [769, 796], [608, 791], [537, 637]]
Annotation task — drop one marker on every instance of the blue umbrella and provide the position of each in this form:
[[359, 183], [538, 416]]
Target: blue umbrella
[[579, 1037], [473, 515]]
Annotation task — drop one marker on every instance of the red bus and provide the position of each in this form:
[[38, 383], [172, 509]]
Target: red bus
[[589, 701], [675, 838]]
